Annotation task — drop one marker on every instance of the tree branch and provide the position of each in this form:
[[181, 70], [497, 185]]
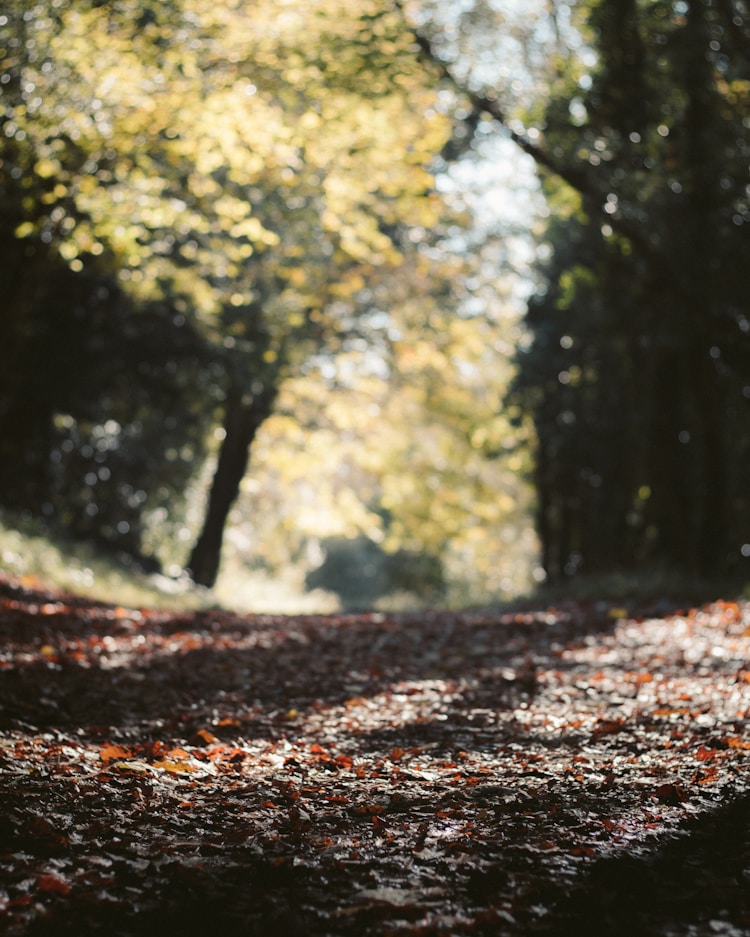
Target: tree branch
[[577, 177], [488, 104]]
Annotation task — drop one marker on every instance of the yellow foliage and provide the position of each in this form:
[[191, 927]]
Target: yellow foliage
[[269, 132], [241, 162]]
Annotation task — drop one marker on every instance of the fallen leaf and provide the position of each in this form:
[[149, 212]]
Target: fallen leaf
[[111, 752], [53, 885]]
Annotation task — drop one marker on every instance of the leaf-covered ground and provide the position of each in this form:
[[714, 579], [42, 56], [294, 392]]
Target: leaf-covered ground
[[578, 769]]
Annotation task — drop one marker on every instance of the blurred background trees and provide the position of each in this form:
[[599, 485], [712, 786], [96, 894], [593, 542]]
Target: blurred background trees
[[638, 373], [202, 208], [274, 238]]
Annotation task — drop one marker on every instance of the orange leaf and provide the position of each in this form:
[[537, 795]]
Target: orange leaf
[[705, 754], [707, 776], [175, 767], [177, 754], [207, 737], [111, 752]]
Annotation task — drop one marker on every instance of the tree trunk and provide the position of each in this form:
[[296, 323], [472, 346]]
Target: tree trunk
[[244, 414], [704, 195]]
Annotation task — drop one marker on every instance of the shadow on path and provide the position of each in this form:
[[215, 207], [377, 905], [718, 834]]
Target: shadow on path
[[696, 885], [81, 666]]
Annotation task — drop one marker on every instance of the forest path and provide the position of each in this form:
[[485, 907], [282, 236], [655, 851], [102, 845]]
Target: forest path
[[578, 769]]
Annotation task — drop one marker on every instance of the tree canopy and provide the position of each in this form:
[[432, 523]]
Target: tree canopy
[[637, 374], [223, 231], [232, 195]]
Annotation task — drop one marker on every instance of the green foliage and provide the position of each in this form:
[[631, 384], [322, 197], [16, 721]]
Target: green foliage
[[32, 554], [361, 572], [100, 405], [638, 374], [201, 211]]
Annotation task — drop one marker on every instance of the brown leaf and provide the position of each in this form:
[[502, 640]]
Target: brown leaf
[[53, 885]]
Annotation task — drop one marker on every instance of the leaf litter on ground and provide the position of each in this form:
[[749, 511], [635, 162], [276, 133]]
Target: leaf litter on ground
[[575, 769]]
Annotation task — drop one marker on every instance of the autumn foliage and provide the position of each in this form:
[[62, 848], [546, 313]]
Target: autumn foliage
[[582, 768]]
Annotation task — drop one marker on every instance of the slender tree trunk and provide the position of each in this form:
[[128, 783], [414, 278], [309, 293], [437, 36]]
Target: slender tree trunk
[[244, 414], [704, 194], [671, 505], [544, 512], [712, 521]]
